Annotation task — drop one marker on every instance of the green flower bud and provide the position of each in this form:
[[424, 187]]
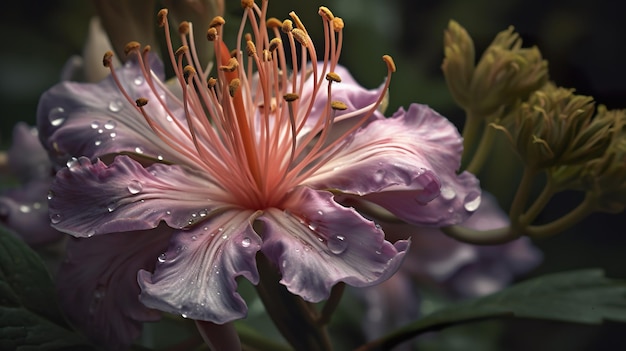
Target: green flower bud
[[555, 127], [505, 74]]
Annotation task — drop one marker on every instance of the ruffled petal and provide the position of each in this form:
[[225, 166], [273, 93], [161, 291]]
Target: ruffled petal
[[402, 163], [88, 199], [317, 243], [196, 276], [97, 284], [94, 120]]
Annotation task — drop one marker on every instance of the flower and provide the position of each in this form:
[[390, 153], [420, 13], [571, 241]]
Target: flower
[[24, 209], [245, 162]]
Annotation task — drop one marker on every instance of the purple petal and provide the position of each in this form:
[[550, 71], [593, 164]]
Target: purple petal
[[24, 210], [196, 276], [36, 166], [94, 120], [88, 199], [97, 284], [400, 163], [317, 243]]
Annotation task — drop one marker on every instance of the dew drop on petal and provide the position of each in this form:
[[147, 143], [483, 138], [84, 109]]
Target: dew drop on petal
[[139, 150], [111, 206], [472, 201], [447, 192], [24, 208], [50, 195], [95, 125], [72, 163], [337, 244], [162, 257], [160, 157], [55, 218], [115, 106], [168, 212], [135, 187], [139, 80], [203, 213], [113, 135], [313, 226], [245, 242], [97, 142], [379, 175], [320, 212], [169, 118], [184, 315], [194, 237], [110, 125], [57, 116]]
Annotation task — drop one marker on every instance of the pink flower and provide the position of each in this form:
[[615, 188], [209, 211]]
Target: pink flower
[[254, 161]]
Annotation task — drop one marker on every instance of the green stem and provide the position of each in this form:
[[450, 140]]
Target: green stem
[[295, 318], [481, 237], [482, 151], [251, 338], [521, 197], [332, 303], [559, 225], [540, 203], [471, 132]]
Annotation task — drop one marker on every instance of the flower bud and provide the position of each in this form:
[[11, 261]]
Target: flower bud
[[554, 127], [505, 74]]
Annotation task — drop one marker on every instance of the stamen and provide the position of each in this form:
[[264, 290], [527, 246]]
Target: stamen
[[183, 28], [217, 21], [181, 51], [250, 48], [287, 26], [233, 86], [130, 47], [390, 64], [232, 65], [162, 17], [289, 97], [296, 19], [247, 4], [338, 105], [334, 77], [338, 24], [300, 36], [324, 11], [189, 72], [211, 82], [274, 23], [146, 50], [275, 44], [141, 102], [107, 59], [211, 34]]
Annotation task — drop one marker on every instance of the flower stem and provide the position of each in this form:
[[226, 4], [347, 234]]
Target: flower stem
[[295, 318], [521, 196], [331, 305], [559, 225], [482, 151], [481, 237], [540, 203], [249, 336], [470, 134]]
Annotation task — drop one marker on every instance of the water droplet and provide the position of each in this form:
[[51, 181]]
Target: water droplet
[[284, 263], [72, 163], [113, 135], [95, 125], [472, 201], [168, 212], [337, 244], [245, 242], [135, 187], [313, 226], [111, 206], [194, 237], [224, 236], [184, 315], [379, 175], [97, 142], [55, 218], [115, 106], [447, 192], [139, 80], [24, 208], [50, 195], [162, 258], [205, 228], [139, 150], [203, 213], [160, 158], [110, 125], [169, 118], [57, 116], [36, 205]]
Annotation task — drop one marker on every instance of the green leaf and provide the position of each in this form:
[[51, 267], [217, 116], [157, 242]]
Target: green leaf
[[30, 318], [584, 296]]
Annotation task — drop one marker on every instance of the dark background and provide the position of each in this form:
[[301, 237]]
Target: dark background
[[584, 42]]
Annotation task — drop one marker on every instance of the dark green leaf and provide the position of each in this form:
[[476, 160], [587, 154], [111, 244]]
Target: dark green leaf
[[29, 315], [585, 296]]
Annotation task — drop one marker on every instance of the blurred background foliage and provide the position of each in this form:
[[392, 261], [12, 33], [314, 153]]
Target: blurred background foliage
[[583, 41]]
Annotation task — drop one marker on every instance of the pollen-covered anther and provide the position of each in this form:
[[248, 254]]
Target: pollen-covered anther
[[233, 86], [189, 71], [289, 97], [217, 21], [162, 17], [231, 66], [181, 50], [211, 34], [390, 64], [273, 23], [326, 13], [141, 102], [287, 26], [250, 48], [267, 55], [211, 82], [130, 47], [146, 49], [333, 77], [338, 105], [183, 28], [107, 59], [300, 36], [275, 44], [246, 4], [338, 24]]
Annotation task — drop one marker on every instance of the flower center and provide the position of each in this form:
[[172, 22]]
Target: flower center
[[253, 128]]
